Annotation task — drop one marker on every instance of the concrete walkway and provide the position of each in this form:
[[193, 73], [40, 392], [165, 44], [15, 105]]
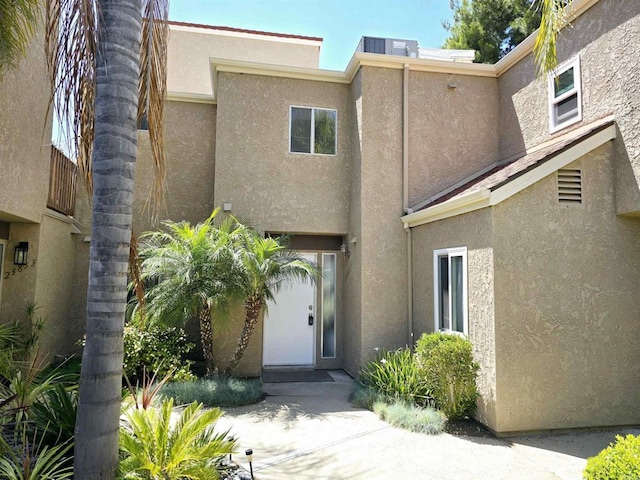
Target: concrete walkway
[[311, 431]]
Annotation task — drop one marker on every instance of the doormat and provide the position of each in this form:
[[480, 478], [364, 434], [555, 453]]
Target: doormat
[[284, 376]]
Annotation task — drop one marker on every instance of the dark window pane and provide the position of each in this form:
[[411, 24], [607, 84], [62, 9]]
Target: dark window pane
[[301, 130], [325, 132], [443, 289], [564, 82], [457, 299], [567, 108]]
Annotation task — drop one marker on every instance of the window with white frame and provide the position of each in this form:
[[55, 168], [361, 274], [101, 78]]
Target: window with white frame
[[313, 130], [450, 289], [565, 105]]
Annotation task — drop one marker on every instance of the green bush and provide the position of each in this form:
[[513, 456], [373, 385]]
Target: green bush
[[159, 350], [220, 391], [395, 375], [410, 417], [446, 363], [619, 461]]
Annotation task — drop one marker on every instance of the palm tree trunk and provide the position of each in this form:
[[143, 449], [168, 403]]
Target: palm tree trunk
[[252, 308], [115, 146], [206, 337]]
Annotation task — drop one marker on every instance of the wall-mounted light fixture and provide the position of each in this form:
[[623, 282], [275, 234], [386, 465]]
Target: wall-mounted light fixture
[[344, 249], [226, 206], [20, 255]]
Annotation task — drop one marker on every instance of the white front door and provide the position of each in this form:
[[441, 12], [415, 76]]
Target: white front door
[[288, 335]]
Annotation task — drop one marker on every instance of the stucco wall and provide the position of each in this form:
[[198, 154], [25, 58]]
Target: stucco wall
[[567, 301], [25, 137], [353, 263], [382, 241], [453, 132], [475, 231], [273, 189], [606, 39], [190, 140], [55, 287], [189, 52]]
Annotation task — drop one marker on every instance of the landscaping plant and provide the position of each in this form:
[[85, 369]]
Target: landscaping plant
[[155, 448], [446, 364], [619, 461], [216, 391], [411, 417], [156, 351], [393, 374]]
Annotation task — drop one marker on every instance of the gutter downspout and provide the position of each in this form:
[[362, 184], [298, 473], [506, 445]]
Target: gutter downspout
[[405, 200]]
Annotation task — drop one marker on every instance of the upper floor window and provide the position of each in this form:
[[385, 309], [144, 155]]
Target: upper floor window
[[565, 106], [313, 130], [450, 289]]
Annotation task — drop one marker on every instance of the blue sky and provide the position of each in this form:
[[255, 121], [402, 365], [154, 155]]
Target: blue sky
[[340, 22]]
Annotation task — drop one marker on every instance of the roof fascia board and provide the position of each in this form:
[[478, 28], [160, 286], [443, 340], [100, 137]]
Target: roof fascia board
[[266, 36], [547, 168], [457, 206], [190, 97], [578, 7], [363, 59]]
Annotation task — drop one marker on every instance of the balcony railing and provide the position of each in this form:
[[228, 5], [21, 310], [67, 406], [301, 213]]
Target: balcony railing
[[62, 183]]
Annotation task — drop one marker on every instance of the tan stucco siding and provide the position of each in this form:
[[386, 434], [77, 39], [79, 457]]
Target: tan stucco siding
[[189, 53], [382, 241], [566, 284], [606, 39], [25, 138], [58, 284], [353, 264], [190, 139], [273, 189], [474, 231], [453, 132]]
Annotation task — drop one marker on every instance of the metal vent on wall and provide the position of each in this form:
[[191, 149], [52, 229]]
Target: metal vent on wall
[[570, 186]]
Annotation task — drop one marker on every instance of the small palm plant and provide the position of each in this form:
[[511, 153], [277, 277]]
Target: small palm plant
[[156, 448], [193, 271], [267, 264]]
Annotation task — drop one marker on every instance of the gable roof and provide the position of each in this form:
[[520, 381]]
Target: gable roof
[[507, 178], [243, 30]]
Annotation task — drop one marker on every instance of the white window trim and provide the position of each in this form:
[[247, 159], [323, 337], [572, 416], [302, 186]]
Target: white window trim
[[577, 89], [450, 252], [313, 130]]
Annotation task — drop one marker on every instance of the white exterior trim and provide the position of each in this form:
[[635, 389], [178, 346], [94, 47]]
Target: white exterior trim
[[488, 198], [450, 252]]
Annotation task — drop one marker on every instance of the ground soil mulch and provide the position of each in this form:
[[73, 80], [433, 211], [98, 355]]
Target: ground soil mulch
[[467, 427]]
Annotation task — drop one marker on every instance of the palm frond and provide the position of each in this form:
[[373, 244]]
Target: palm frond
[[18, 22], [554, 15], [152, 92]]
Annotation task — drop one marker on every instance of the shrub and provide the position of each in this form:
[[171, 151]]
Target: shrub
[[395, 375], [446, 362], [154, 447], [220, 391], [618, 461], [410, 417], [365, 397], [159, 349]]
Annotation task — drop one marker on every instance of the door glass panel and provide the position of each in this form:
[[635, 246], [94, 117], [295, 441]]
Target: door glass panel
[[328, 305], [457, 300], [444, 292]]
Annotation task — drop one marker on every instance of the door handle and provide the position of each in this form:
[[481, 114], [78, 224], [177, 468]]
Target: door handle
[[311, 319]]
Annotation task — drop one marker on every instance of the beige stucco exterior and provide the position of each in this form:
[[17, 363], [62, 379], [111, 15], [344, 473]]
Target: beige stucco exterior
[[605, 38], [191, 47], [566, 293], [52, 280], [552, 290]]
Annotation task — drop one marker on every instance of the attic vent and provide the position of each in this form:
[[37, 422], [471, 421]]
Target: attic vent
[[570, 186]]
